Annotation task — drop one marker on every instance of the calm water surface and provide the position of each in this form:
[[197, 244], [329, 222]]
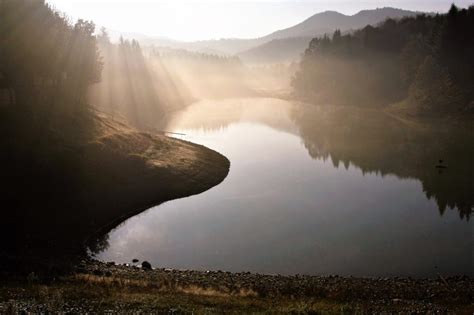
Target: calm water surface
[[311, 191]]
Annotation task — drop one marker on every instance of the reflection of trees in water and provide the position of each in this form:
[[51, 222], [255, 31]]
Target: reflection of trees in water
[[205, 117], [377, 143], [367, 139], [217, 116]]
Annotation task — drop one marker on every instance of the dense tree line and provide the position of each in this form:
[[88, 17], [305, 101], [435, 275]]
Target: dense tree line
[[46, 62], [135, 86], [197, 63], [205, 75], [425, 60], [126, 88], [182, 54]]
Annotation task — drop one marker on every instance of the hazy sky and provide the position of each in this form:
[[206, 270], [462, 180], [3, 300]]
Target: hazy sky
[[212, 19]]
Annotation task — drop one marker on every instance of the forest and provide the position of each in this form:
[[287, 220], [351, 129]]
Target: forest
[[423, 63], [203, 75], [48, 63]]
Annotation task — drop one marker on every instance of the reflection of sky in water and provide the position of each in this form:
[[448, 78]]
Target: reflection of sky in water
[[279, 211]]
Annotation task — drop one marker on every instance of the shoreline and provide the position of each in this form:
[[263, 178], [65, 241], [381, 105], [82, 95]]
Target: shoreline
[[118, 173], [145, 205], [97, 287], [153, 169]]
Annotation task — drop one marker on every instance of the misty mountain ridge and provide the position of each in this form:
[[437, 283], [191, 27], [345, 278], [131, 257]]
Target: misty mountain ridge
[[288, 44], [329, 21], [317, 25]]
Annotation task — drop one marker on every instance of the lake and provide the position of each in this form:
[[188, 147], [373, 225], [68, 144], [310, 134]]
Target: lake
[[314, 190]]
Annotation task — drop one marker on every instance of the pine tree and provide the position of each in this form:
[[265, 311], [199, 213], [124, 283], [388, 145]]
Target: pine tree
[[433, 90]]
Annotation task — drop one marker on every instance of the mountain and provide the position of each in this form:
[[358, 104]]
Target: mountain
[[289, 44], [291, 41], [329, 21]]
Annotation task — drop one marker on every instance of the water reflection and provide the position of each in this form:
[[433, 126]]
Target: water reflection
[[371, 140], [378, 143], [355, 205]]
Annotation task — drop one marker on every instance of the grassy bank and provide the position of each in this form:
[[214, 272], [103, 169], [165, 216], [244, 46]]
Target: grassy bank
[[66, 192]]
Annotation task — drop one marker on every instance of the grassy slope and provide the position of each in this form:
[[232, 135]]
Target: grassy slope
[[66, 191], [142, 170]]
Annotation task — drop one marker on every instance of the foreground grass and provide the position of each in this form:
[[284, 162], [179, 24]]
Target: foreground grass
[[103, 288], [83, 298], [79, 297]]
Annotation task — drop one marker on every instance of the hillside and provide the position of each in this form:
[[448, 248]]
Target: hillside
[[289, 44], [71, 170], [327, 22], [394, 62], [66, 192], [318, 24]]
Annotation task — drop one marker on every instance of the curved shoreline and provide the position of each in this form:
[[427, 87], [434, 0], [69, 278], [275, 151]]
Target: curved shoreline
[[117, 173], [157, 169], [144, 205]]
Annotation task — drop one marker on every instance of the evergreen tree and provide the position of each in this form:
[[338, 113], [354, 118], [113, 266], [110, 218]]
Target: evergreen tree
[[426, 58], [433, 90]]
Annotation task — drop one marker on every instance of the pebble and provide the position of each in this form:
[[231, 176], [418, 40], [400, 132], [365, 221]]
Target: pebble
[[146, 265], [410, 293]]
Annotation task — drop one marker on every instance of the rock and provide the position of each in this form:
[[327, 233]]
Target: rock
[[134, 260], [146, 265]]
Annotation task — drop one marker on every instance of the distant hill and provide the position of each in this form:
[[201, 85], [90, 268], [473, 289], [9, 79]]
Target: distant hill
[[220, 47], [289, 44], [329, 21], [291, 41]]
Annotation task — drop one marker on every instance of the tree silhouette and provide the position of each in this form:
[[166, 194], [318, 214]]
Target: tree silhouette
[[40, 50], [415, 57]]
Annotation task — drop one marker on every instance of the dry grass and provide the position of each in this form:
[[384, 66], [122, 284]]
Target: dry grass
[[84, 293], [86, 296], [161, 285]]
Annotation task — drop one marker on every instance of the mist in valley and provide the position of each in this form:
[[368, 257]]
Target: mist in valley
[[322, 143], [143, 84]]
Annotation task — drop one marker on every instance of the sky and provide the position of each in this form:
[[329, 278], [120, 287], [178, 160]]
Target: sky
[[191, 20]]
